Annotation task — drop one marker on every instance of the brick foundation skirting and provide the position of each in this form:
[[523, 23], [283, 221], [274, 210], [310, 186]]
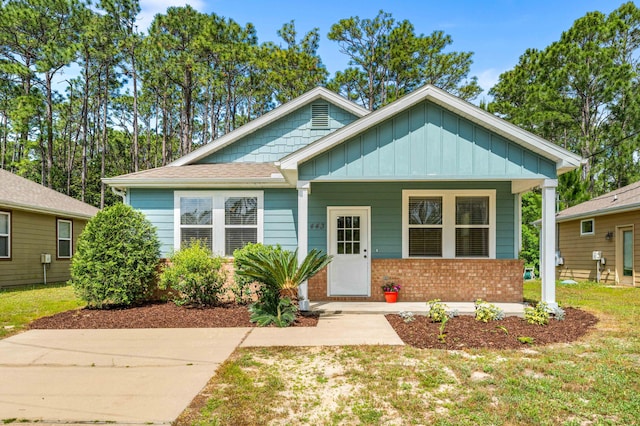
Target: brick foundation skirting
[[451, 280]]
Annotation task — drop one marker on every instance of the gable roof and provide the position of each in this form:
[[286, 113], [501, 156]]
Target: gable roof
[[623, 199], [564, 160], [239, 175], [19, 193], [270, 117]]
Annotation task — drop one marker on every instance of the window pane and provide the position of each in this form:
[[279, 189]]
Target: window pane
[[236, 238], [472, 242], [195, 211], [472, 210], [64, 248], [64, 229], [627, 253], [425, 210], [4, 246], [241, 211], [587, 226], [425, 242], [4, 224], [189, 235]]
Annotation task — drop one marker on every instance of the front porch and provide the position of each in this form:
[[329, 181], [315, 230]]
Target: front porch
[[418, 308]]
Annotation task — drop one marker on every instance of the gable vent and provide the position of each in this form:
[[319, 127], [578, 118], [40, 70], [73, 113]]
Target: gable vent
[[320, 115]]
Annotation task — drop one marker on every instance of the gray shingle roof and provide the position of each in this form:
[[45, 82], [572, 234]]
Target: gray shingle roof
[[19, 193], [206, 171], [625, 198]]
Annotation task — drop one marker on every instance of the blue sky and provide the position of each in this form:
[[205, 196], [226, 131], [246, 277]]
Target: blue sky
[[498, 32]]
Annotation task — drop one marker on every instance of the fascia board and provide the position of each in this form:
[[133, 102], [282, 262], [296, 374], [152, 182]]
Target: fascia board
[[278, 182], [601, 212], [268, 118]]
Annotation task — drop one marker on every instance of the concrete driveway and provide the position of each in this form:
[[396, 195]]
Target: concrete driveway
[[120, 376]]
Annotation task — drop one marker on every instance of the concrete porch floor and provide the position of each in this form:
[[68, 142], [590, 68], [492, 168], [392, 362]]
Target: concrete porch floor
[[464, 308]]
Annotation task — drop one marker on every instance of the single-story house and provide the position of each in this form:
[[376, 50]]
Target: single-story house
[[38, 231], [597, 239], [424, 191]]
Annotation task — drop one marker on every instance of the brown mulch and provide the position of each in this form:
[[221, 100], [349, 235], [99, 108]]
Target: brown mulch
[[464, 332], [158, 315]]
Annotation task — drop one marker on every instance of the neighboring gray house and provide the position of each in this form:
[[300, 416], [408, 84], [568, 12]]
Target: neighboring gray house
[[36, 221], [424, 191]]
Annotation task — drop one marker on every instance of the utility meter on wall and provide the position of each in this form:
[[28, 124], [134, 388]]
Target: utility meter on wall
[[596, 255]]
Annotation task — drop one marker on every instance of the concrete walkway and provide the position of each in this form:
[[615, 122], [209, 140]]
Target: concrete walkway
[[143, 376], [463, 308]]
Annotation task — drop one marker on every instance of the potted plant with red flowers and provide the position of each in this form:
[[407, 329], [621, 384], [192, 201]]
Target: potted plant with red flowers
[[391, 290]]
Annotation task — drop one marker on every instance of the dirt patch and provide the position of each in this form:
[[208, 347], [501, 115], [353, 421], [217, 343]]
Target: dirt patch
[[158, 315], [464, 332]]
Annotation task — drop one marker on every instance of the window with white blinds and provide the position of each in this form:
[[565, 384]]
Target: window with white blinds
[[65, 236], [448, 224], [5, 235], [222, 220]]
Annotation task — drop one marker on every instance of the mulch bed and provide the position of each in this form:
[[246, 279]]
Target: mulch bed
[[158, 315], [464, 332]]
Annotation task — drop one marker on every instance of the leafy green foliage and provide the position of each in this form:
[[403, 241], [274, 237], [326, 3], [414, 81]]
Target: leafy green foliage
[[115, 262], [531, 211], [195, 276], [437, 310], [538, 315], [280, 312], [486, 312], [242, 284]]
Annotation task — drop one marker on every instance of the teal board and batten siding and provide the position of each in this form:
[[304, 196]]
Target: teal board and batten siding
[[280, 138], [385, 199], [280, 215], [427, 142]]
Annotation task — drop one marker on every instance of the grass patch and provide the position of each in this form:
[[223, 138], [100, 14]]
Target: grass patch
[[593, 381], [21, 305]]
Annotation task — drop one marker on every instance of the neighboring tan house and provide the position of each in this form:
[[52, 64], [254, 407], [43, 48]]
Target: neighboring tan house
[[37, 221], [424, 191], [606, 227]]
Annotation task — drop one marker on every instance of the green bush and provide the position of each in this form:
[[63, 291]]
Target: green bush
[[538, 315], [280, 312], [437, 311], [486, 312], [116, 258], [242, 288], [195, 276]]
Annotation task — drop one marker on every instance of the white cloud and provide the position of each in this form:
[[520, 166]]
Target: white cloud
[[150, 8], [488, 78]]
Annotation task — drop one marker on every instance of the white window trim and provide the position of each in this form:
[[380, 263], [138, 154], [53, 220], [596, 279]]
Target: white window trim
[[218, 200], [8, 235], [593, 227], [448, 220], [59, 238]]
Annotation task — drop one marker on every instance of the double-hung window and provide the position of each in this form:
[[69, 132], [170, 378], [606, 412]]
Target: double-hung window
[[448, 224], [65, 234], [5, 235], [222, 220]]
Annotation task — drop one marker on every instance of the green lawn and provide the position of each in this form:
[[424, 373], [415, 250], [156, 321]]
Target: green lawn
[[19, 306], [595, 381]]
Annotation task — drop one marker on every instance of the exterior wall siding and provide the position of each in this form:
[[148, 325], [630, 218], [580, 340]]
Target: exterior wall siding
[[576, 250], [451, 280], [427, 142], [385, 199], [280, 138], [31, 235], [280, 215]]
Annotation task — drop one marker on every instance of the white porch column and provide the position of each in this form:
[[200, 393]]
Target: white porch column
[[303, 238], [548, 242]]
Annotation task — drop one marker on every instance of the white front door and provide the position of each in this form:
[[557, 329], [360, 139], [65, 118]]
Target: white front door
[[349, 272]]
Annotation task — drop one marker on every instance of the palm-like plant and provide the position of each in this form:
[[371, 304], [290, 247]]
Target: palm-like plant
[[280, 272]]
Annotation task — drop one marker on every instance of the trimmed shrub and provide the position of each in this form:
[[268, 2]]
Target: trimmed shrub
[[486, 311], [195, 276], [244, 287], [116, 258], [538, 315]]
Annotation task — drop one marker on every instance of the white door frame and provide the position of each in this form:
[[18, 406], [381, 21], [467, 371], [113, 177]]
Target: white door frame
[[366, 251], [620, 278]]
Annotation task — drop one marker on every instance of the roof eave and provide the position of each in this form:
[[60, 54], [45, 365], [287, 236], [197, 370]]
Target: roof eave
[[197, 183], [600, 212], [43, 210]]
